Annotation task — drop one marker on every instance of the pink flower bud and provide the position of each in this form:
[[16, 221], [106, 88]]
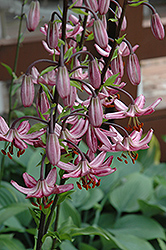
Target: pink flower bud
[[53, 151], [70, 99], [117, 65], [94, 74], [100, 34], [33, 17], [133, 69], [103, 6], [52, 34], [27, 91], [92, 4], [42, 104], [63, 82], [157, 27], [95, 112]]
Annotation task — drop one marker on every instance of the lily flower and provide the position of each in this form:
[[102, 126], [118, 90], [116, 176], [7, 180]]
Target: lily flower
[[88, 170], [18, 136], [42, 187], [133, 110]]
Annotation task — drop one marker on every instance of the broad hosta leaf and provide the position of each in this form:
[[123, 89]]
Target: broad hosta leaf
[[150, 209], [83, 246], [68, 210], [67, 245], [125, 197], [8, 243], [11, 210], [132, 242], [138, 225]]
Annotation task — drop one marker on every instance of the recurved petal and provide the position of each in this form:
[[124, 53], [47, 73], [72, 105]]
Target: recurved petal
[[29, 180]]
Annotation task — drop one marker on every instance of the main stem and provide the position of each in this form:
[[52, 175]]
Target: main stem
[[15, 61]]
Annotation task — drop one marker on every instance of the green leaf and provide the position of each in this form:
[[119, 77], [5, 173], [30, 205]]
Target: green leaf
[[84, 246], [139, 226], [76, 84], [150, 209], [11, 210], [110, 81], [63, 196], [68, 210], [90, 37], [162, 244], [19, 113], [89, 231], [67, 245], [36, 127], [115, 54], [15, 88], [68, 54], [132, 242], [137, 3], [33, 162], [96, 195], [10, 71], [48, 69], [8, 243], [46, 91], [120, 39], [125, 197], [80, 12]]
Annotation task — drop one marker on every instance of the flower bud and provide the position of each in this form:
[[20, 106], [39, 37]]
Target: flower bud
[[157, 27], [95, 112], [94, 74], [53, 151], [133, 69], [70, 99], [103, 6], [100, 34], [33, 17], [27, 91], [92, 4], [63, 82], [117, 65], [42, 104], [52, 35]]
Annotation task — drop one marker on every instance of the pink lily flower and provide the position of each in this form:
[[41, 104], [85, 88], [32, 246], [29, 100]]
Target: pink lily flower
[[157, 27], [133, 110], [33, 17], [132, 142], [87, 170], [18, 136], [42, 187]]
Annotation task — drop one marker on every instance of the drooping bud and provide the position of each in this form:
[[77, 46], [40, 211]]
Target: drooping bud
[[94, 74], [95, 112], [100, 34], [157, 27], [92, 4], [33, 17], [117, 65], [27, 91], [133, 69], [63, 82], [53, 151], [103, 6], [52, 34], [42, 104], [70, 99]]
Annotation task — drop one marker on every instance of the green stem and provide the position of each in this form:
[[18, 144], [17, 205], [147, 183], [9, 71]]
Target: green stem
[[15, 61], [55, 226]]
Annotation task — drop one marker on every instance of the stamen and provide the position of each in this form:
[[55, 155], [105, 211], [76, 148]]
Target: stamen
[[48, 205], [119, 159], [3, 151], [8, 154], [98, 183], [34, 204], [78, 185], [126, 161]]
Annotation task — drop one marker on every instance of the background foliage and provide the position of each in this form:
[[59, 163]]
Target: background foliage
[[127, 211]]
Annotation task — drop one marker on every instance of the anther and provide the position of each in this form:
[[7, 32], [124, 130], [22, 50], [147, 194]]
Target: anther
[[9, 155], [3, 151]]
